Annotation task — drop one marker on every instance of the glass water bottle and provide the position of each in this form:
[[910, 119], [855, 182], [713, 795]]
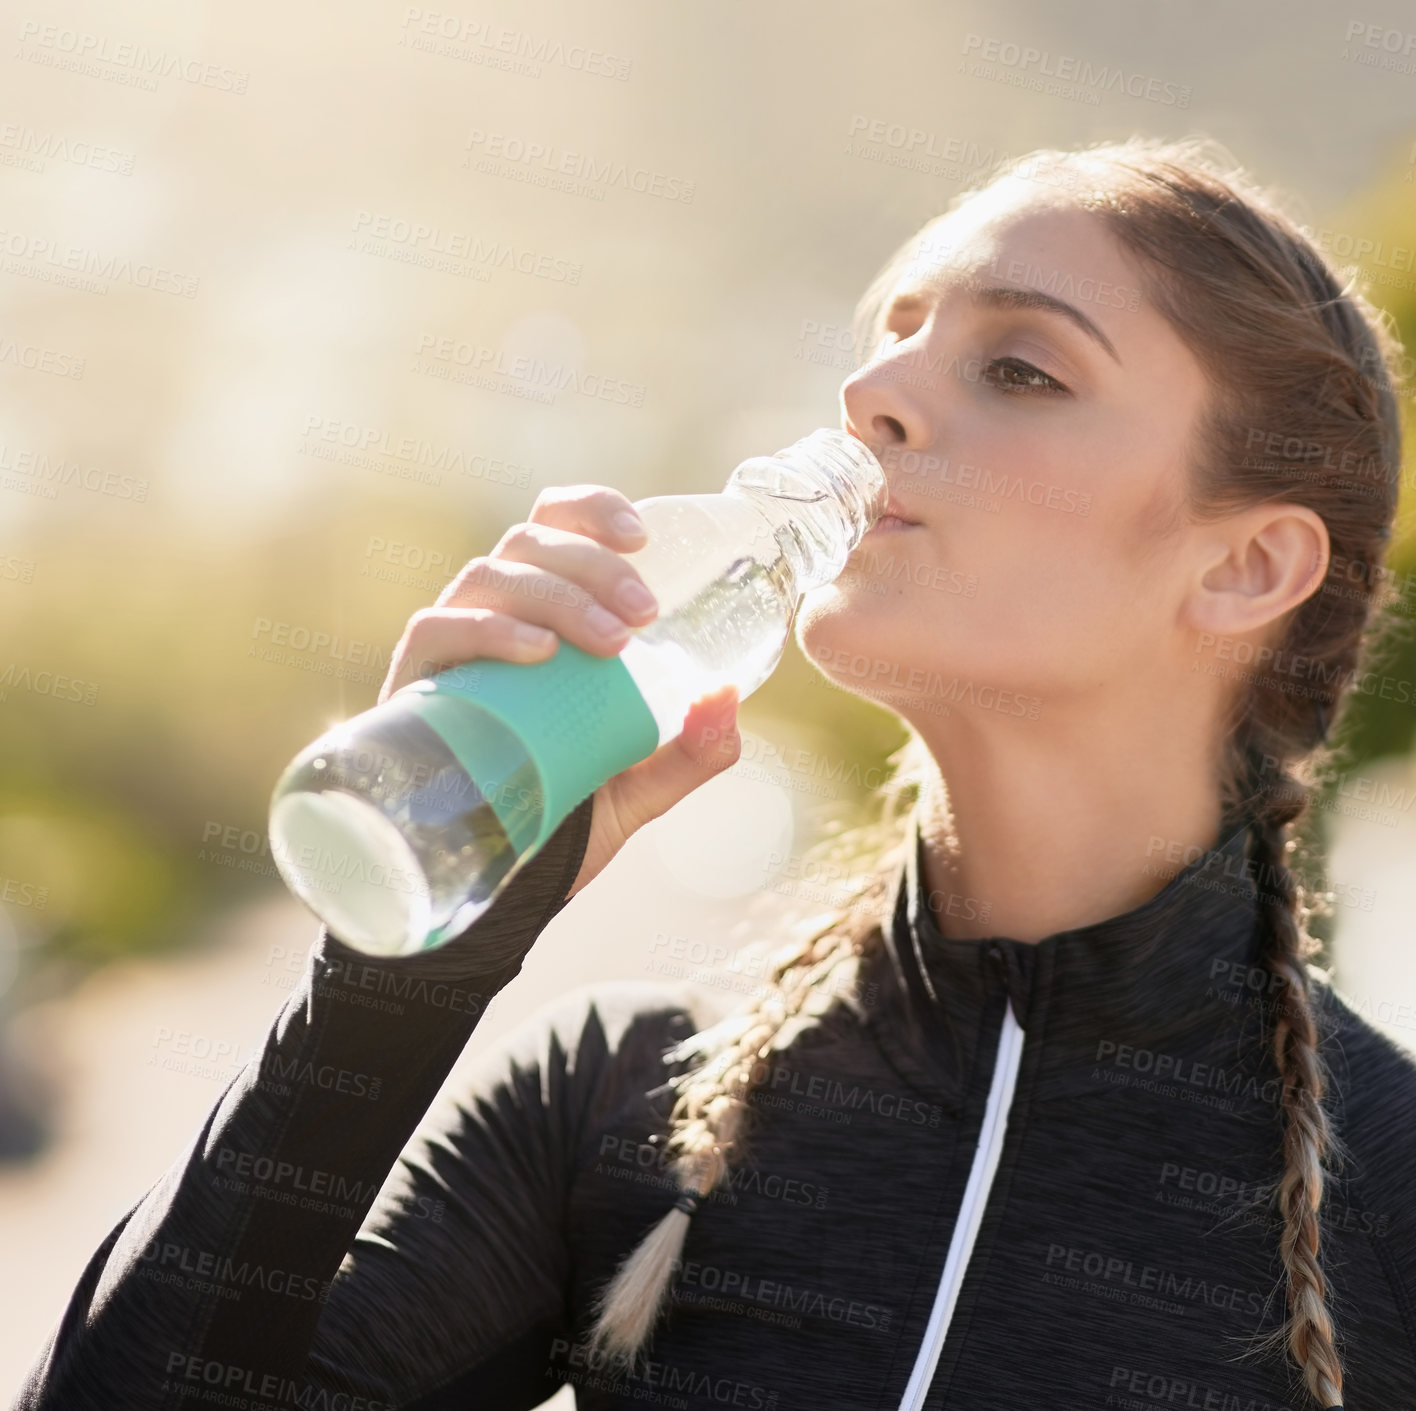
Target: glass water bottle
[[400, 826]]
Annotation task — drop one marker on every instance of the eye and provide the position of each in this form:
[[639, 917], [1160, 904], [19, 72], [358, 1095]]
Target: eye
[[1015, 375]]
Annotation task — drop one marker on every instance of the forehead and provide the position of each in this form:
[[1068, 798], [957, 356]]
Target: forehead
[[1018, 232]]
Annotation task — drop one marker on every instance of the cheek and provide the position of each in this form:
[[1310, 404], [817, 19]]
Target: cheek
[[1030, 596], [1090, 600]]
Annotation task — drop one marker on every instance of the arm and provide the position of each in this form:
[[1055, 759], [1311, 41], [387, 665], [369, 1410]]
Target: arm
[[465, 1285], [218, 1278], [215, 1284]]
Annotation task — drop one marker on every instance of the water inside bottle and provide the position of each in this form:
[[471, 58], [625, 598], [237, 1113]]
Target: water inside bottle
[[723, 597]]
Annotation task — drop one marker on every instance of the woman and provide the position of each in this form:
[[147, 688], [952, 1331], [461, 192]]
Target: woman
[[1055, 1112]]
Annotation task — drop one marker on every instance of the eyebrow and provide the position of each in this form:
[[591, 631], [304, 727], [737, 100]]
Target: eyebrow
[[1002, 296]]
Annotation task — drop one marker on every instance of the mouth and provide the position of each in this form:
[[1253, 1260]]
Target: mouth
[[893, 521]]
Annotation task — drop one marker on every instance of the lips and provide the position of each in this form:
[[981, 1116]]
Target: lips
[[891, 523], [895, 517]]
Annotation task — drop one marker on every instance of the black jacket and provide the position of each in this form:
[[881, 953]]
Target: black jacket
[[1122, 1256]]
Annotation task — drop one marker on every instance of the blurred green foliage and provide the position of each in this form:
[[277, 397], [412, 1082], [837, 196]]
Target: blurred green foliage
[[1387, 215]]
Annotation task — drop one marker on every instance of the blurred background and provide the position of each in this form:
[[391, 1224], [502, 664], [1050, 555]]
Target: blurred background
[[299, 309]]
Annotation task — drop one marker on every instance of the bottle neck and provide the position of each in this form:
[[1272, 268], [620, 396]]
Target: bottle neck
[[819, 496]]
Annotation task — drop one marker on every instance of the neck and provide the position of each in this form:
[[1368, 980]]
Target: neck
[[1044, 828]]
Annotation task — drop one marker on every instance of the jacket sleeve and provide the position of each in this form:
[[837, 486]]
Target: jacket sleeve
[[221, 1282]]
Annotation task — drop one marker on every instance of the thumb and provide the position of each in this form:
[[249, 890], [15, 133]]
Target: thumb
[[708, 744]]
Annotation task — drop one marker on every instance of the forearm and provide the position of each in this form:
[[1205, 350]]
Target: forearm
[[218, 1276]]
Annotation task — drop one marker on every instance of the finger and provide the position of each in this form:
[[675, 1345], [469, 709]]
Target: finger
[[708, 744], [710, 738], [603, 573], [439, 639], [536, 595], [596, 511]]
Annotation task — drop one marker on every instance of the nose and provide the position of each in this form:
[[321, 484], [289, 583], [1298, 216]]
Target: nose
[[879, 404]]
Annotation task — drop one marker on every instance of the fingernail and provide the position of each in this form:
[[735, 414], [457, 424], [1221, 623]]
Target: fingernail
[[633, 595], [605, 624], [629, 524], [529, 635]]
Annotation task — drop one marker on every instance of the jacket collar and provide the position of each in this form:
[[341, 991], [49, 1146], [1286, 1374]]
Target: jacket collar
[[1163, 977]]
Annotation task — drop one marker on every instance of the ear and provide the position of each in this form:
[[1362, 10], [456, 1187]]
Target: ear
[[1255, 566]]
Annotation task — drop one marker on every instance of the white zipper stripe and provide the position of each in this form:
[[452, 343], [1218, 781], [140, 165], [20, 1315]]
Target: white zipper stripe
[[985, 1165]]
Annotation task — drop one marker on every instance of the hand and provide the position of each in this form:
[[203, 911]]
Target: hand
[[561, 574]]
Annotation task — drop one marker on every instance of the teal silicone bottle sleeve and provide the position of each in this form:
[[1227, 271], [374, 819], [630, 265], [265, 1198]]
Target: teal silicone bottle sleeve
[[578, 718]]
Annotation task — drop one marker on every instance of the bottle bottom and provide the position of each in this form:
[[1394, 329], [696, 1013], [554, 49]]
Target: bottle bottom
[[379, 902], [380, 830]]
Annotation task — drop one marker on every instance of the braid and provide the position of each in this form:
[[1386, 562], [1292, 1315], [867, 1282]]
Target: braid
[[1308, 1137], [708, 1123]]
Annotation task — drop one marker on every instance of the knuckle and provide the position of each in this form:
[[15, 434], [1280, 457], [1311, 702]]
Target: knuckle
[[482, 580], [551, 500], [475, 571], [476, 564], [576, 507], [519, 537]]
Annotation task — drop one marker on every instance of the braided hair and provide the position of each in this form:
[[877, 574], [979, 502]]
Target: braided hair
[[1308, 1139], [1302, 410]]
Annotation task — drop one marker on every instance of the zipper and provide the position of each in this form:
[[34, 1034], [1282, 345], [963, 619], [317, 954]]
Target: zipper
[[985, 1166]]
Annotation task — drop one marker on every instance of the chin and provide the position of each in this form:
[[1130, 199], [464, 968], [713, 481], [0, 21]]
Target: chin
[[843, 622]]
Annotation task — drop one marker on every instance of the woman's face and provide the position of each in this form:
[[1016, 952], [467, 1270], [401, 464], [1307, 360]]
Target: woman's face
[[1034, 415]]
